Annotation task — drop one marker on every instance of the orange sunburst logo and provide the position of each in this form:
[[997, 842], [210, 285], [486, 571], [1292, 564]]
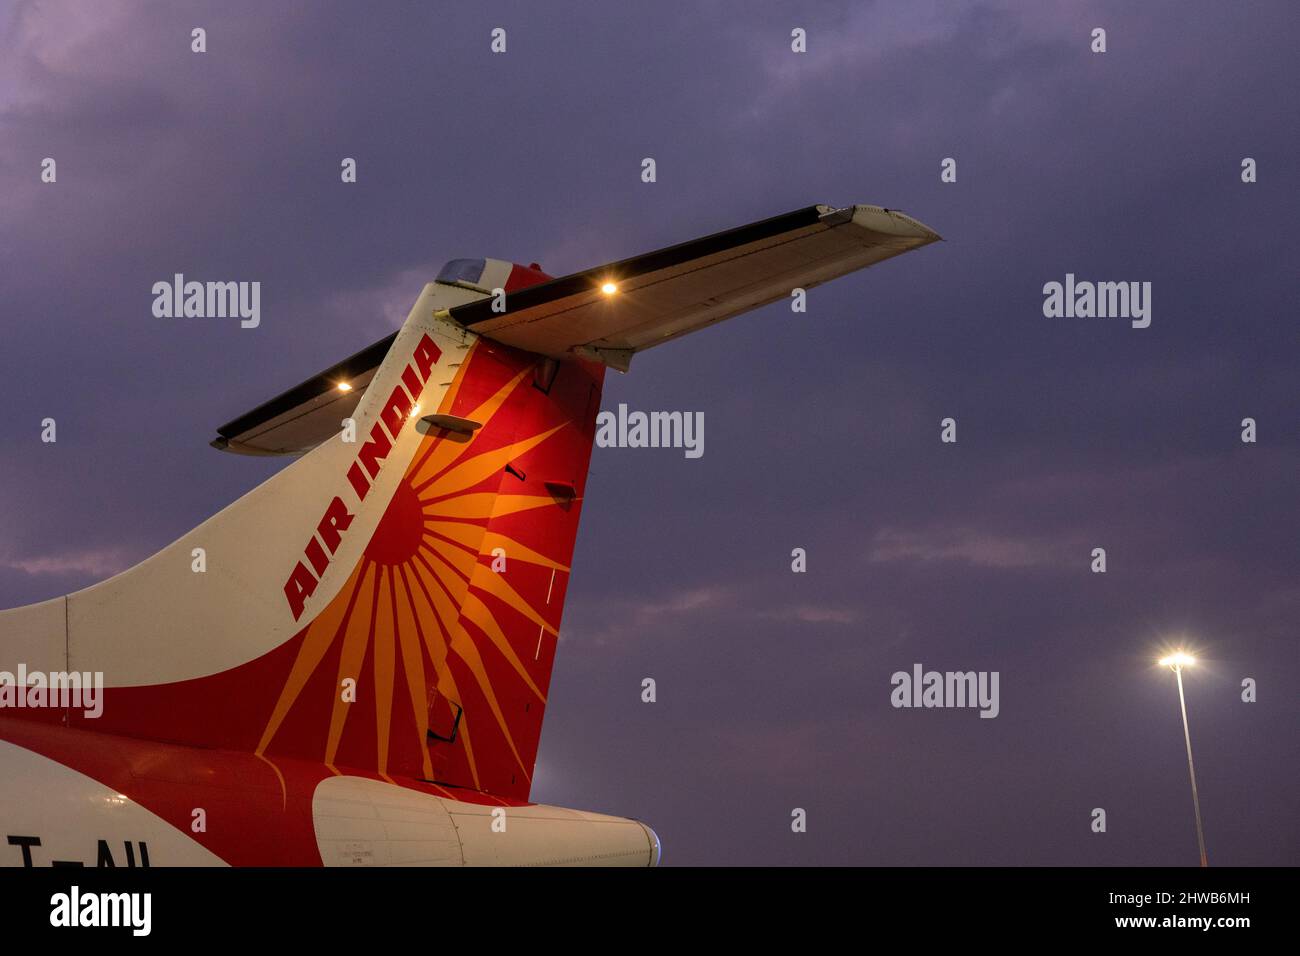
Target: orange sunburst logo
[[423, 576]]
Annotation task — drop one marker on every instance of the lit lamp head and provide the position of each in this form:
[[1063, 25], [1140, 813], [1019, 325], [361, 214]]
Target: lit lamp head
[[609, 288], [1177, 661]]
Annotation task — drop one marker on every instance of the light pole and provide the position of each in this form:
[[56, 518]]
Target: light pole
[[1176, 662]]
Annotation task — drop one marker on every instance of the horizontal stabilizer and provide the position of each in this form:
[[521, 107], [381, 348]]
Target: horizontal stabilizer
[[300, 419], [610, 312], [604, 315]]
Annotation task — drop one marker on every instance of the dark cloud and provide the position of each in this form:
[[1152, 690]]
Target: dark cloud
[[822, 429]]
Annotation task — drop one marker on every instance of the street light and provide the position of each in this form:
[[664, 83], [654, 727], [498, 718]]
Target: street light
[[1176, 662]]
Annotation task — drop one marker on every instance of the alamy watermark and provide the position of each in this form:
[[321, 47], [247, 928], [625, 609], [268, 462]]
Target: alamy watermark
[[1103, 300], [208, 300], [83, 690], [922, 688], [626, 429], [133, 911]]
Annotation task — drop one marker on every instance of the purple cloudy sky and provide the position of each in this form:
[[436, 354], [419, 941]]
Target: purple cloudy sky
[[822, 430]]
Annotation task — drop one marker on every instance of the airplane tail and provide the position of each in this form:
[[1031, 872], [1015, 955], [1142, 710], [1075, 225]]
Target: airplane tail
[[388, 604]]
